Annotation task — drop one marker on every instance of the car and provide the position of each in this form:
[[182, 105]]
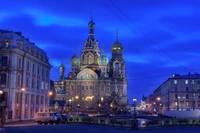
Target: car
[[64, 118], [48, 117]]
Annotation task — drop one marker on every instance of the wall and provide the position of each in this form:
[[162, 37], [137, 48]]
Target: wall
[[183, 114]]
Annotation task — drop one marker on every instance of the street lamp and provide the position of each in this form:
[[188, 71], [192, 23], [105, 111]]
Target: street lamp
[[134, 102], [158, 99], [134, 122], [2, 112], [70, 101], [22, 91]]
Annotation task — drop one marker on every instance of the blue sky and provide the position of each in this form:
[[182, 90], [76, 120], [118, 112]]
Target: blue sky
[[160, 38]]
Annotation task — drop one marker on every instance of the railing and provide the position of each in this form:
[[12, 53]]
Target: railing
[[126, 123]]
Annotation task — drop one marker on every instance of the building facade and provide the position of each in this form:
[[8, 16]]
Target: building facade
[[94, 82], [24, 76], [179, 92]]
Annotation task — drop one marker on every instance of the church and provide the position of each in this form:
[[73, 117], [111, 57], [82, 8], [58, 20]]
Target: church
[[94, 82]]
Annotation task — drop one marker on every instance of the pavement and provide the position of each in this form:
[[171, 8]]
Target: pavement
[[89, 128]]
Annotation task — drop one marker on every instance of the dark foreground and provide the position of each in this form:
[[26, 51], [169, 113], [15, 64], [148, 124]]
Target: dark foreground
[[83, 128]]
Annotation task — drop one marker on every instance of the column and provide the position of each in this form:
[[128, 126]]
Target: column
[[22, 105], [34, 105], [29, 106]]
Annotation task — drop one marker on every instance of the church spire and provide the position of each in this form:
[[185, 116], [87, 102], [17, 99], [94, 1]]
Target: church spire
[[117, 35], [75, 50]]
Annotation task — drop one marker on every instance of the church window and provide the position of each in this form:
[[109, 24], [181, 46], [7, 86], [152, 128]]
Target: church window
[[86, 87], [90, 60], [90, 87], [117, 67]]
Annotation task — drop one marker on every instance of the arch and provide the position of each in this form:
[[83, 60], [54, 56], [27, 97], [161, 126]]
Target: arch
[[90, 58], [87, 74]]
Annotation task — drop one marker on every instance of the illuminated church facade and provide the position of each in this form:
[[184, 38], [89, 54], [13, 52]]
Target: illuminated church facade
[[94, 81]]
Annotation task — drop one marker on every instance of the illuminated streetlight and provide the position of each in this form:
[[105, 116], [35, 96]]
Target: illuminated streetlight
[[1, 92], [50, 93], [23, 89], [158, 98], [99, 105], [76, 97]]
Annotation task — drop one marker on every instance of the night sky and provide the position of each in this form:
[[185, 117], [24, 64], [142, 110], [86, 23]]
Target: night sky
[[160, 37]]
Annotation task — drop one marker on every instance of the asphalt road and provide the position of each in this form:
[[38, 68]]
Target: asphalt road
[[84, 128]]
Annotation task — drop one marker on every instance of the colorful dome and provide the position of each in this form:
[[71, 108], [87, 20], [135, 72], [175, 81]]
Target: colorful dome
[[117, 46], [74, 60], [91, 24], [104, 59], [62, 66]]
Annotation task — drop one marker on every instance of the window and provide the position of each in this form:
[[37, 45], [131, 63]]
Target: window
[[27, 81], [3, 77], [32, 99], [46, 86], [192, 81], [18, 80], [175, 81], [186, 81], [17, 97], [187, 96], [175, 103], [187, 89], [47, 74], [187, 103], [19, 63], [33, 69], [42, 72], [117, 67], [32, 86], [38, 82], [38, 71], [42, 99], [27, 98], [4, 61], [198, 88], [42, 85], [176, 96], [28, 65], [37, 98]]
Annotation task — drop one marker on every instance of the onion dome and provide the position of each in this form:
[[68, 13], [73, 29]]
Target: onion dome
[[104, 59], [74, 60], [117, 45], [91, 23], [62, 66]]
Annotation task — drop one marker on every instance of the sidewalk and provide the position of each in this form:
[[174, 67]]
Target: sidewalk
[[19, 122]]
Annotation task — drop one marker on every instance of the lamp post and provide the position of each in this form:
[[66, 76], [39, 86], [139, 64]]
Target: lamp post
[[134, 102], [50, 96], [158, 99], [70, 104], [134, 122], [2, 112], [22, 91]]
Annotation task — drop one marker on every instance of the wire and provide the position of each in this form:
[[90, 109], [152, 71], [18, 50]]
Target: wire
[[141, 30]]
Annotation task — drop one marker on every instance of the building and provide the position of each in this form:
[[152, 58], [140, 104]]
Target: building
[[179, 92], [94, 82], [24, 76]]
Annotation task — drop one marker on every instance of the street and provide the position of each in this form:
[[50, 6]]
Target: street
[[86, 128]]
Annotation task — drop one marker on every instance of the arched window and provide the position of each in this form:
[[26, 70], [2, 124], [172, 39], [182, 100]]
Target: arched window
[[116, 66], [90, 59]]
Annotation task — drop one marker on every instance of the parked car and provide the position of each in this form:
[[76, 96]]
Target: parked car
[[48, 117], [64, 118]]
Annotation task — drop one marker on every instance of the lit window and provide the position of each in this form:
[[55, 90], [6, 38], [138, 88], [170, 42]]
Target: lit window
[[186, 81], [119, 48], [114, 48], [175, 81], [192, 81]]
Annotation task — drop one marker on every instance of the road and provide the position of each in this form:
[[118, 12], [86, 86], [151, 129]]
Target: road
[[84, 128]]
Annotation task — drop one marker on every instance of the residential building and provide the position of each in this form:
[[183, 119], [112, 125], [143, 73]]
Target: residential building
[[179, 92], [24, 76]]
